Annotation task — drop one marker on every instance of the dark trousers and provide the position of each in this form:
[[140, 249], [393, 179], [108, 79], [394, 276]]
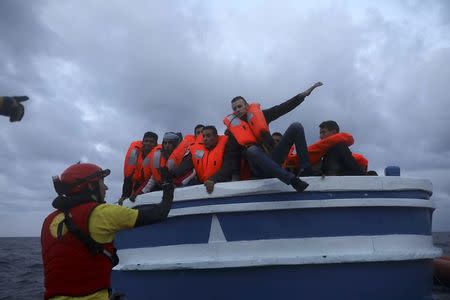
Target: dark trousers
[[263, 166], [339, 161]]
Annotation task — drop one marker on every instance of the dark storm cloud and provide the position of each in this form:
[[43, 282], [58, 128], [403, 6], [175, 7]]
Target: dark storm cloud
[[102, 73]]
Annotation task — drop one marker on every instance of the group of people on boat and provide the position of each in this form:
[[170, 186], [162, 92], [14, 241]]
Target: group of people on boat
[[77, 238], [246, 150]]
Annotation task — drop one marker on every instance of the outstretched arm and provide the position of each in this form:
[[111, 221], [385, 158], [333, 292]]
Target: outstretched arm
[[155, 213], [277, 111]]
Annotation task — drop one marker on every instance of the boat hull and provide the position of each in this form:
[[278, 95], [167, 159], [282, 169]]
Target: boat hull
[[347, 238], [379, 280]]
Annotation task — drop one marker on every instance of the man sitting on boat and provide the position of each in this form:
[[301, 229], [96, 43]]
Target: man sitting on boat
[[213, 158], [331, 154], [77, 239], [334, 154], [170, 159], [248, 125], [136, 171]]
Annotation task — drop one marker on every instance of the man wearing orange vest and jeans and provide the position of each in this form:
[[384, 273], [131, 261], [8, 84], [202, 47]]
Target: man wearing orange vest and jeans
[[77, 239], [249, 127]]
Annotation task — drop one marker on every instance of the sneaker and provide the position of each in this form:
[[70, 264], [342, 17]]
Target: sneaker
[[298, 184]]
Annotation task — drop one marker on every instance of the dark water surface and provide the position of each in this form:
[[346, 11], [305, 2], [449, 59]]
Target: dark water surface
[[21, 275]]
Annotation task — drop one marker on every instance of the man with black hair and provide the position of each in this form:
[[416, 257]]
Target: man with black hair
[[165, 160], [198, 129], [215, 158], [248, 125], [136, 164], [276, 136], [12, 107], [77, 239], [338, 160]]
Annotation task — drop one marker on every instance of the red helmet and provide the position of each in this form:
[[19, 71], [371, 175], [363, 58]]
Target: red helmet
[[76, 177]]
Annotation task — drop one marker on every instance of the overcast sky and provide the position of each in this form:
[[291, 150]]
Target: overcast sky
[[101, 73]]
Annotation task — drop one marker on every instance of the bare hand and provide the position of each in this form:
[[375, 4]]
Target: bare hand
[[209, 184], [308, 91]]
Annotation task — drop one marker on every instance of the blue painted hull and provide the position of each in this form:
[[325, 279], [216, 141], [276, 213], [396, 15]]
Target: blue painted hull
[[332, 245], [409, 280]]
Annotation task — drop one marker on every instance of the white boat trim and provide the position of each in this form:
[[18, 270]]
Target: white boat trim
[[273, 185], [300, 251], [300, 204]]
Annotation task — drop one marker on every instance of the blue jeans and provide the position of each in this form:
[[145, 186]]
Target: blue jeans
[[264, 166]]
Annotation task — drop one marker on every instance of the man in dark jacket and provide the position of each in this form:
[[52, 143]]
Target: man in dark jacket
[[338, 160], [265, 158]]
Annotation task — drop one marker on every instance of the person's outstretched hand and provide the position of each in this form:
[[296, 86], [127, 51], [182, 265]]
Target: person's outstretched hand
[[15, 109], [20, 98], [308, 91]]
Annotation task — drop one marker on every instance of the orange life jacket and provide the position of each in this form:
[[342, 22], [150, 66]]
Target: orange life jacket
[[135, 165], [317, 150], [250, 132], [144, 171], [131, 158], [157, 160], [208, 162], [361, 160], [179, 152], [190, 139]]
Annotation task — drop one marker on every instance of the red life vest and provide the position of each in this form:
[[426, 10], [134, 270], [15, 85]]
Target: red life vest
[[179, 152], [131, 158], [157, 161], [317, 150], [69, 268], [189, 139], [135, 165], [208, 162], [361, 160], [250, 132]]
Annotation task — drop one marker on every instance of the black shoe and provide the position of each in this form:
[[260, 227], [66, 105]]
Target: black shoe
[[298, 184]]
